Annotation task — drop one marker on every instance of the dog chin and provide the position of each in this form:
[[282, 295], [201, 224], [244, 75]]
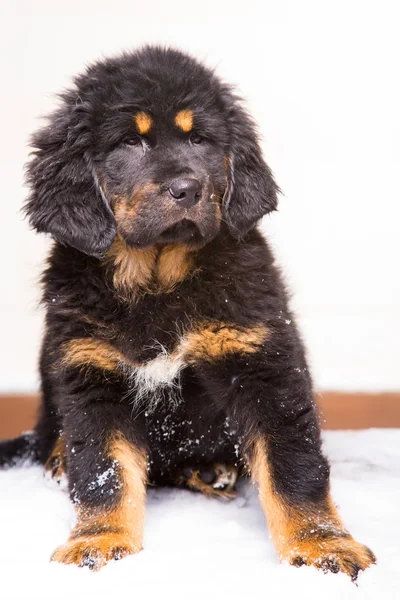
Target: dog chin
[[194, 235], [185, 232]]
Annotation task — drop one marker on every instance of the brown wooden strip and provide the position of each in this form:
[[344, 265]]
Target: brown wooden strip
[[17, 414], [339, 410], [346, 410]]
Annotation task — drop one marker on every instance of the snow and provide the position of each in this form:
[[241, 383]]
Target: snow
[[196, 546]]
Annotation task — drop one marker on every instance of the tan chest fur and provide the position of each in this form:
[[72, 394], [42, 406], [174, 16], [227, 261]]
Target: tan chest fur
[[205, 342]]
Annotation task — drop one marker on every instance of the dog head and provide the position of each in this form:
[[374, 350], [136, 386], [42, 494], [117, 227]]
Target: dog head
[[150, 146]]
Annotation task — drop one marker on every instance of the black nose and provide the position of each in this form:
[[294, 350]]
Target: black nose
[[186, 191]]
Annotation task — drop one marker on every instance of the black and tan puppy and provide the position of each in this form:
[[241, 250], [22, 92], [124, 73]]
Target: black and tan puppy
[[170, 355]]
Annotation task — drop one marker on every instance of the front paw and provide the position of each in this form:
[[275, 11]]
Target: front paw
[[95, 551], [339, 554]]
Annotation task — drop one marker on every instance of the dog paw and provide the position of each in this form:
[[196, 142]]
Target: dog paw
[[342, 554], [54, 469], [95, 551], [54, 474], [217, 479]]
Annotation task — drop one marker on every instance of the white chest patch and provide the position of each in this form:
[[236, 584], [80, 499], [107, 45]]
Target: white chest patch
[[161, 373]]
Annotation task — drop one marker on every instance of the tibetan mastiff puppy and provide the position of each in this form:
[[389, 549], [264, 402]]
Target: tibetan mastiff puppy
[[170, 356]]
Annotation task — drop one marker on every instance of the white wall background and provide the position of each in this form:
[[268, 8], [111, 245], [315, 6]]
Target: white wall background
[[322, 79]]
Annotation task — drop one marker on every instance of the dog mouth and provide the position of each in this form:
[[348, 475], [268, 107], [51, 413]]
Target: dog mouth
[[185, 231], [155, 219]]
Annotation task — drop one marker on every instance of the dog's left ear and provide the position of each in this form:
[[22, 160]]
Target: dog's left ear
[[251, 191]]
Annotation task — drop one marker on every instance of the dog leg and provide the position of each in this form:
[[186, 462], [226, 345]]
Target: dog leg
[[267, 394], [107, 472], [304, 525]]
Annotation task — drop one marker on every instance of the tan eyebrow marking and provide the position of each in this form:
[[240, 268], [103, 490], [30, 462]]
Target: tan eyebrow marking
[[184, 120], [143, 122]]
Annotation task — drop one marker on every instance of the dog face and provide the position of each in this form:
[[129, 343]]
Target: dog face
[[166, 177], [150, 146]]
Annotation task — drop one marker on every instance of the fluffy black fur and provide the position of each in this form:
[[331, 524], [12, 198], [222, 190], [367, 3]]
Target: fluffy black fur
[[89, 155]]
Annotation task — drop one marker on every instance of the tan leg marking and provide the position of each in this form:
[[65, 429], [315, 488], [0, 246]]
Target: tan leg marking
[[101, 535], [312, 535]]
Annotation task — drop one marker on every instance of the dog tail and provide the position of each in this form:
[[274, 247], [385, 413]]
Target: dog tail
[[20, 451]]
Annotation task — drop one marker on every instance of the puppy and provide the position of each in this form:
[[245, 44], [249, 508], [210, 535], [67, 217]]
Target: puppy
[[170, 355]]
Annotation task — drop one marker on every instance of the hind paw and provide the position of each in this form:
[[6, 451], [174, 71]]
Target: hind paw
[[214, 480], [54, 469]]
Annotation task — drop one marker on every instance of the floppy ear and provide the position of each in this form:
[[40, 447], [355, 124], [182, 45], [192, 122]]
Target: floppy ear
[[251, 191], [66, 198]]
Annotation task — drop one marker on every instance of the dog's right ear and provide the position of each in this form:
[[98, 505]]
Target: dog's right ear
[[66, 198]]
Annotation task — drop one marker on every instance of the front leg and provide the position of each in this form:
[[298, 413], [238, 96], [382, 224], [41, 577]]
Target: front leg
[[107, 469], [302, 518], [266, 389]]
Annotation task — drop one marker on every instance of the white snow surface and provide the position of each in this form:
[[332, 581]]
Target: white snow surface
[[197, 547]]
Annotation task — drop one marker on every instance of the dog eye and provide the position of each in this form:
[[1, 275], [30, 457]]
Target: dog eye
[[195, 138], [133, 140]]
